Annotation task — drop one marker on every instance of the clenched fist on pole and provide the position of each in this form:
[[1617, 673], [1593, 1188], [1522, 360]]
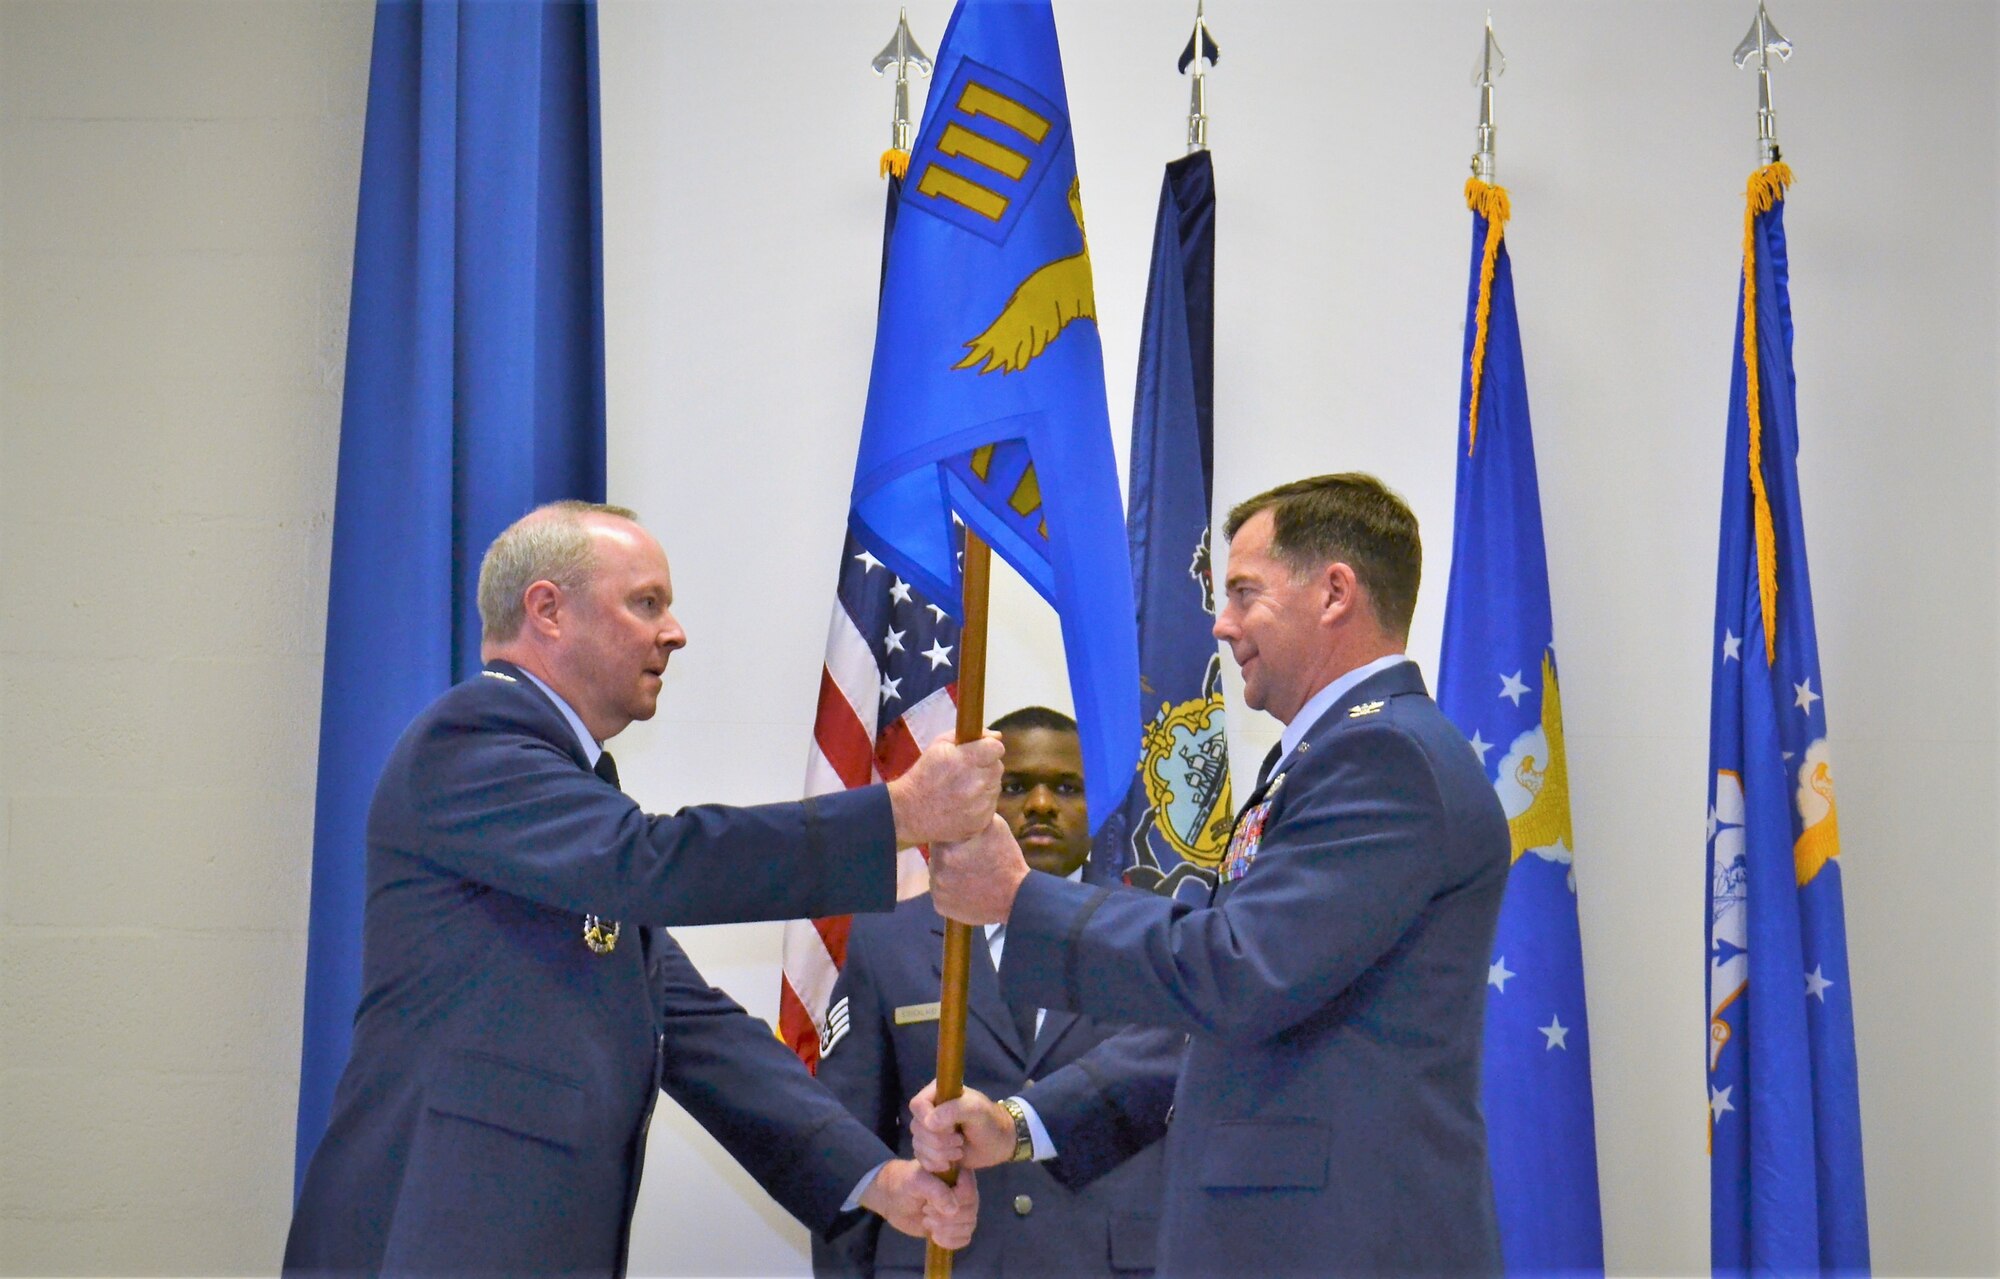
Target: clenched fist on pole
[[974, 880], [949, 793]]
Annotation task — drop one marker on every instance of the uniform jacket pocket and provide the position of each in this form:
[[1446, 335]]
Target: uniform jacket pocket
[[521, 1099], [1281, 1154]]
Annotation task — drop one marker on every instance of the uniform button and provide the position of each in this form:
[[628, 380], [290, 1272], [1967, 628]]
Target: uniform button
[[1023, 1205]]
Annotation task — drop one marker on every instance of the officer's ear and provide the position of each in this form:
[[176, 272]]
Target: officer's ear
[[1340, 592], [542, 605]]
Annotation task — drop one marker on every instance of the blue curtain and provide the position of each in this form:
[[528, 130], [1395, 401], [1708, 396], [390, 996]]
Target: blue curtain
[[474, 391]]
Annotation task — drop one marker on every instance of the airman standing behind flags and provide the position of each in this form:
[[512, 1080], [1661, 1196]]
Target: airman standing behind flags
[[882, 1045]]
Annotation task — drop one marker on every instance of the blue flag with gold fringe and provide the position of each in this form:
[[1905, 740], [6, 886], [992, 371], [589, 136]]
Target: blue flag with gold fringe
[[1497, 682], [1786, 1191], [1169, 834], [986, 398]]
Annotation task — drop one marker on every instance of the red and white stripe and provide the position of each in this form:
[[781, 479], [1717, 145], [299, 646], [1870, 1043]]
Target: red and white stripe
[[851, 748]]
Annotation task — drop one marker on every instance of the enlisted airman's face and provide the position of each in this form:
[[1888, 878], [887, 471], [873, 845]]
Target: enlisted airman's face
[[1041, 798]]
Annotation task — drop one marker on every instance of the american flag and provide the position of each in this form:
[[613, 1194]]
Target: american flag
[[889, 686]]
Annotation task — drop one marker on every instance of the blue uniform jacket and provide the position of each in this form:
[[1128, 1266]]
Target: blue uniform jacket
[[1326, 1119], [1029, 1222], [492, 1116]]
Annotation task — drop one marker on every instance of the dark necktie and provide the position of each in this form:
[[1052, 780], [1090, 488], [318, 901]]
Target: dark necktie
[[1264, 769], [1024, 1022], [1024, 1014], [1263, 776], [594, 934]]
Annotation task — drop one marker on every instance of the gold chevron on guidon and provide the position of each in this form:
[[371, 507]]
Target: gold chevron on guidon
[[985, 152], [1005, 480]]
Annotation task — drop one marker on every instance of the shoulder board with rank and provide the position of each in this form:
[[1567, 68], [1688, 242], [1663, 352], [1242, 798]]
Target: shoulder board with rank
[[1366, 708]]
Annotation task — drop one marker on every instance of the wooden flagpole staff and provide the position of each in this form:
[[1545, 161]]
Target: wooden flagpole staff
[[978, 571]]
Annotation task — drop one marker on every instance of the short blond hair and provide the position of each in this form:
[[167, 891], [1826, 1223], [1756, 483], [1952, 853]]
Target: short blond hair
[[549, 543]]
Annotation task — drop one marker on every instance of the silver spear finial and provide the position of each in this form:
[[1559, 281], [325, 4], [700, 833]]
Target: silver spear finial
[[904, 54], [1761, 43], [1492, 63], [1201, 53]]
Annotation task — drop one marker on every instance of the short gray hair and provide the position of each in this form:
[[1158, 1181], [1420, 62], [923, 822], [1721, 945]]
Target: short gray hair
[[549, 543]]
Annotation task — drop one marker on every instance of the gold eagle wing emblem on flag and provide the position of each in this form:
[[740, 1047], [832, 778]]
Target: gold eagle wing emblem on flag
[[1819, 841], [1545, 822], [1041, 308]]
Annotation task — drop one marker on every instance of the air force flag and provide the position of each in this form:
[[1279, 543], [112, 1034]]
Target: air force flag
[[1786, 1193], [1497, 682]]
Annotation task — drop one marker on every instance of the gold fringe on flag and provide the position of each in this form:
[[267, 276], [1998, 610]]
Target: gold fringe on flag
[[895, 162], [1489, 202], [1765, 188]]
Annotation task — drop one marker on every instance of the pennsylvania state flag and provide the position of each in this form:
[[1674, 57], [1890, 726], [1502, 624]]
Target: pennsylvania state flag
[[986, 397], [1784, 1112], [1170, 833], [1497, 682]]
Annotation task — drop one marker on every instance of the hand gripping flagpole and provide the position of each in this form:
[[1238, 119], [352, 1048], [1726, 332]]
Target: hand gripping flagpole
[[977, 572]]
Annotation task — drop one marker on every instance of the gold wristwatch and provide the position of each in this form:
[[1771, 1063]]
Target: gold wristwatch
[[1024, 1140]]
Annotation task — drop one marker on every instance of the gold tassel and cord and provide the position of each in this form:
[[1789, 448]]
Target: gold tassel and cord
[[1489, 202], [895, 163], [1765, 188]]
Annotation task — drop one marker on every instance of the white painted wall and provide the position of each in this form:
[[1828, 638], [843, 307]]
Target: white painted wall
[[742, 224], [176, 208], [177, 188]]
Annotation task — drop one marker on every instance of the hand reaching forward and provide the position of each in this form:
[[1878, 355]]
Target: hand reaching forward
[[917, 1203], [974, 1131], [974, 882], [949, 793]]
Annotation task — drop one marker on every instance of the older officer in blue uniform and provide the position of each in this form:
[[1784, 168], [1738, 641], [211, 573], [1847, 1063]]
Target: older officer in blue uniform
[[522, 1004], [882, 1045], [1326, 1118]]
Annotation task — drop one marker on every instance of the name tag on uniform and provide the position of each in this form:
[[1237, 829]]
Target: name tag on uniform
[[915, 1014], [1248, 836]]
